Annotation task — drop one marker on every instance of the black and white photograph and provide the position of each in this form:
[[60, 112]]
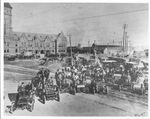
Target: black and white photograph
[[74, 59]]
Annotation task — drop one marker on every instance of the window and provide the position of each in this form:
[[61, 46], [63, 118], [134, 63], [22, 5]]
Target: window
[[34, 38], [16, 50], [16, 44], [7, 50], [47, 44], [5, 29], [7, 43], [4, 50], [40, 44], [24, 44]]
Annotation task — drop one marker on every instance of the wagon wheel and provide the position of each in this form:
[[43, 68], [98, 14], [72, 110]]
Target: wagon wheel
[[84, 90], [133, 88], [93, 90], [107, 90], [24, 107], [119, 87], [43, 99], [87, 89], [12, 109], [73, 91], [58, 97], [142, 89]]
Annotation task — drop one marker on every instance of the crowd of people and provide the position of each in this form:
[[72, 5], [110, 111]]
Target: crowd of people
[[76, 74]]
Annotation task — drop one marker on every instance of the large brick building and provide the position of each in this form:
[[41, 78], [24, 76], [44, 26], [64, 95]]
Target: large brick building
[[19, 42]]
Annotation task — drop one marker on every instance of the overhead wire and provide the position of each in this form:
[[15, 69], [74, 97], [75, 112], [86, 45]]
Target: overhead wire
[[84, 18], [43, 12]]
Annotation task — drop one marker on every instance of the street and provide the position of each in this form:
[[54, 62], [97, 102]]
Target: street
[[115, 104]]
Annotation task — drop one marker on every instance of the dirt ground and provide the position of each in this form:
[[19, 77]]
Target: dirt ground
[[114, 104]]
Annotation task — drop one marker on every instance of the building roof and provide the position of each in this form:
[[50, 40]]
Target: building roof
[[30, 36], [107, 46], [7, 5]]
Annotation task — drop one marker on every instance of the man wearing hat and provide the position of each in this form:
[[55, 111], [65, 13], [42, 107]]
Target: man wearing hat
[[21, 92], [56, 76], [21, 89]]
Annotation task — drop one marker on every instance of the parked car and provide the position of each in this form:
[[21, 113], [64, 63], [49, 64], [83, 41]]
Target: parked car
[[49, 92], [22, 100]]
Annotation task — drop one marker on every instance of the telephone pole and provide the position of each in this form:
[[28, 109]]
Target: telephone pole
[[124, 32], [89, 45], [70, 45], [70, 48]]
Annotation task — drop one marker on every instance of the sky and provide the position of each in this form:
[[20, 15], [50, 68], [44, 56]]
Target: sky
[[77, 20]]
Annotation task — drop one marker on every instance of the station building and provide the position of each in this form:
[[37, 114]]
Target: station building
[[20, 42]]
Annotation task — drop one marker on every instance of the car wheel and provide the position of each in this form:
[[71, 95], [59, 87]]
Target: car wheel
[[32, 106], [107, 90], [43, 99], [87, 89], [74, 91], [12, 109], [93, 90], [119, 87], [142, 89], [23, 107]]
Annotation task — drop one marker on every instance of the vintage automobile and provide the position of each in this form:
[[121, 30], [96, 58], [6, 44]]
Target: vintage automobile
[[141, 84], [101, 86], [86, 86], [129, 65], [145, 74], [22, 100], [109, 62], [115, 62], [49, 92], [123, 82]]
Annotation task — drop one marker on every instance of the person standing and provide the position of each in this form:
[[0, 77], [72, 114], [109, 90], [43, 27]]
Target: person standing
[[57, 78]]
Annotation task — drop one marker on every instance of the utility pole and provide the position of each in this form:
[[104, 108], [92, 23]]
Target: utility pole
[[124, 30], [89, 45], [70, 47], [127, 42]]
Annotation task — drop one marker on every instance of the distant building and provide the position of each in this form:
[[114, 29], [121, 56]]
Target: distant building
[[106, 48], [75, 49], [20, 42], [87, 50]]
